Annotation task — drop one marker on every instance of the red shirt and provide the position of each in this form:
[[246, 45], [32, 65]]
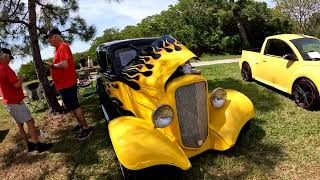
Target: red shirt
[[10, 94], [64, 78]]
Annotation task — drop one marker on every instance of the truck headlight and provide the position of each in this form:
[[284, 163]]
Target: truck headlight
[[218, 97], [162, 116]]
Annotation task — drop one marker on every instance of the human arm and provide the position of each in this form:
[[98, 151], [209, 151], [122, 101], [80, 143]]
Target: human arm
[[61, 65]]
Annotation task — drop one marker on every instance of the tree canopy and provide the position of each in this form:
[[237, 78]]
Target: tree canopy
[[210, 26], [207, 26], [303, 12], [23, 24]]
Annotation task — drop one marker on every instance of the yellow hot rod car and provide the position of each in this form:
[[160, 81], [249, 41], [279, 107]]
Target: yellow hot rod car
[[158, 108], [288, 62]]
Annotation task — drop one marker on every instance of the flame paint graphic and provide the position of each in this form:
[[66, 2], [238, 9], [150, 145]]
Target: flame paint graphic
[[143, 64]]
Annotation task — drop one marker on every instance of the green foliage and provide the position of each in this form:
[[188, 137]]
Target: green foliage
[[28, 71], [15, 24], [302, 12], [314, 25], [206, 26]]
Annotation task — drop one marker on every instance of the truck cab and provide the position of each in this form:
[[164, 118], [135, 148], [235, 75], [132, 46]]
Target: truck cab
[[282, 62]]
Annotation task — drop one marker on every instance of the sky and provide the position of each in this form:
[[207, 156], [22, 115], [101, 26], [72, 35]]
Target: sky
[[104, 14]]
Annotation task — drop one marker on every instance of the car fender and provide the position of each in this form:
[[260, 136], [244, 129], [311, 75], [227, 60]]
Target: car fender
[[226, 122], [308, 72], [138, 144]]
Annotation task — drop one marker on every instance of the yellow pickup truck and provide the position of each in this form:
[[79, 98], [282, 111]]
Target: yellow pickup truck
[[288, 62]]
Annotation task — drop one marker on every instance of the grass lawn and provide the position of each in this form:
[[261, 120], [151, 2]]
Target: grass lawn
[[36, 80], [282, 143], [212, 57]]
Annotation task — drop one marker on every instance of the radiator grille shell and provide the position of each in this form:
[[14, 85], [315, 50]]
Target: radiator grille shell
[[191, 103]]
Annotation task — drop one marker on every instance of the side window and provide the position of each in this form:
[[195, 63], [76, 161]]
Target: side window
[[277, 47], [104, 61]]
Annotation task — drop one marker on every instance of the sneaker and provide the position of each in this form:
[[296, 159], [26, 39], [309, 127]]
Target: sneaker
[[41, 147], [31, 146], [85, 133], [77, 128]]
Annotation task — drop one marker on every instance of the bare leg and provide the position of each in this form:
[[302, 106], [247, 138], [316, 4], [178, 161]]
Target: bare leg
[[32, 130], [22, 133], [80, 117]]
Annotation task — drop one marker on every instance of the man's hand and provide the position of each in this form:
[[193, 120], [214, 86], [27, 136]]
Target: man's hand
[[49, 64], [18, 84], [20, 77]]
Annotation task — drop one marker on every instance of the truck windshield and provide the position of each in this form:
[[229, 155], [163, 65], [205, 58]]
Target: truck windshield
[[309, 48]]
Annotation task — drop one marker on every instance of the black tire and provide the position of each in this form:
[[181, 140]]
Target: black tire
[[246, 73], [127, 174], [305, 94], [243, 133]]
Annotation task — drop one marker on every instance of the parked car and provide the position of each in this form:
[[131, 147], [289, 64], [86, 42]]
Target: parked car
[[158, 108], [288, 62]]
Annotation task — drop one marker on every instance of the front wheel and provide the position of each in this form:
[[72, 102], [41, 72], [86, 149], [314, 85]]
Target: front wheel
[[305, 94]]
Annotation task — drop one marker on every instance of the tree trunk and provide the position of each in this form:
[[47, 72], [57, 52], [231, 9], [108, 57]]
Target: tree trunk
[[241, 29], [49, 93]]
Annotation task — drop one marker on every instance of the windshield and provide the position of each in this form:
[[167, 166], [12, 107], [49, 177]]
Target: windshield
[[309, 48]]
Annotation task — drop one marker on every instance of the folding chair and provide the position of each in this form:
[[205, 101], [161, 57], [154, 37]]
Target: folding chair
[[35, 99], [85, 83]]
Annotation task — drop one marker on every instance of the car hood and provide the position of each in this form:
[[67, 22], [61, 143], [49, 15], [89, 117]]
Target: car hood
[[153, 67]]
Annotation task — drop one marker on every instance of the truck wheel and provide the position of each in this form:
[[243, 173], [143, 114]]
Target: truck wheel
[[246, 72], [305, 94]]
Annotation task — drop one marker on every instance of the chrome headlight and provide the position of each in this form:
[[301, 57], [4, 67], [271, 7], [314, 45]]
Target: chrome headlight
[[162, 116], [218, 97]]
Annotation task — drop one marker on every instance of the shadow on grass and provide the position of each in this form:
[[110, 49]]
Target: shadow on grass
[[246, 157], [75, 153], [17, 155], [3, 134], [252, 155], [262, 99]]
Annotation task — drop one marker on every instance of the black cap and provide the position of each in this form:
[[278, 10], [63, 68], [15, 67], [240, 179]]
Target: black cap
[[6, 51], [52, 32]]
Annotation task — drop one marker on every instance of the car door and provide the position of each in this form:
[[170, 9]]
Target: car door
[[263, 67], [279, 68]]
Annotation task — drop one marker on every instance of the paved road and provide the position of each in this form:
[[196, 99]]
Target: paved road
[[207, 63]]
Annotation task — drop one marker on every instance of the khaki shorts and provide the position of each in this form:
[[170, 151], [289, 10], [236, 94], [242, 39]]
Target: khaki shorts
[[19, 112]]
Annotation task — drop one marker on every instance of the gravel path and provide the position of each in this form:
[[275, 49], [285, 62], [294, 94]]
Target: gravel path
[[207, 63]]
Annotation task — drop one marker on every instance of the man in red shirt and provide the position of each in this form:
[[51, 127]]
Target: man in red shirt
[[64, 76], [13, 96]]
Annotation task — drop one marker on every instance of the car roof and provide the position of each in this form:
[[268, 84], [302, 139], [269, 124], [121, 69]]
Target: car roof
[[109, 46], [289, 37]]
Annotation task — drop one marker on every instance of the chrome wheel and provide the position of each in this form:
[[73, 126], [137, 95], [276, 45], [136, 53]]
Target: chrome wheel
[[305, 94]]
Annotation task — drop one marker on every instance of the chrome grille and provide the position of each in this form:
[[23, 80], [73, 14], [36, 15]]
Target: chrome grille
[[191, 102]]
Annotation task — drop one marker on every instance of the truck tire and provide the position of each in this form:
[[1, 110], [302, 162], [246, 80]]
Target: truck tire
[[246, 73], [305, 94]]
